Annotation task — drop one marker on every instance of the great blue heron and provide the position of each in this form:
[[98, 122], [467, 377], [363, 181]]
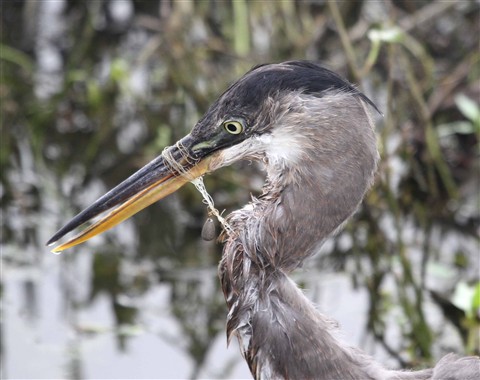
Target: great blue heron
[[316, 138]]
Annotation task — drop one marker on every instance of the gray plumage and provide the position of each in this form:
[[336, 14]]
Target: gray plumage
[[320, 157], [313, 132]]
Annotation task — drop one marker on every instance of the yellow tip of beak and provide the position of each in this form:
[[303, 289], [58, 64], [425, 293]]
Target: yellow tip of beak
[[138, 202]]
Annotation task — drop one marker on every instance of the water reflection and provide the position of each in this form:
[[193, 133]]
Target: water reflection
[[94, 90]]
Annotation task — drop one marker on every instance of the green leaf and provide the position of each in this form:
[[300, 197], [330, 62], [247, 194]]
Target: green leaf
[[463, 296], [459, 127], [468, 108], [94, 94], [476, 297], [392, 34], [17, 57], [118, 70]]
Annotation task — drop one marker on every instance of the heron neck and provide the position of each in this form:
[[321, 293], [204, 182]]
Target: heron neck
[[316, 178], [283, 336], [302, 205]]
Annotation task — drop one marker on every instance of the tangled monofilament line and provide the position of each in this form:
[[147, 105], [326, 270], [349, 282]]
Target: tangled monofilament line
[[177, 168]]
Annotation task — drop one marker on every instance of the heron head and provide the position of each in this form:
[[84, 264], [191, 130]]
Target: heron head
[[257, 117]]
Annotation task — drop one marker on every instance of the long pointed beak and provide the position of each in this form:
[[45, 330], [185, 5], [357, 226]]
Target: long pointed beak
[[151, 183]]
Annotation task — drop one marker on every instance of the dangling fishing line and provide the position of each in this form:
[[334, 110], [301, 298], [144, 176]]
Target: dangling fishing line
[[207, 199], [176, 167]]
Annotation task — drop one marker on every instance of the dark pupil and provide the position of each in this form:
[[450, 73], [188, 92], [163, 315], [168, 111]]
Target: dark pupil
[[232, 127]]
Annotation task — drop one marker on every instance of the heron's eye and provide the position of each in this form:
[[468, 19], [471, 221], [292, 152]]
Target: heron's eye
[[233, 127]]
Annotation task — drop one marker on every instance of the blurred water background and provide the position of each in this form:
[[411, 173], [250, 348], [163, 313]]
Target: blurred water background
[[92, 90]]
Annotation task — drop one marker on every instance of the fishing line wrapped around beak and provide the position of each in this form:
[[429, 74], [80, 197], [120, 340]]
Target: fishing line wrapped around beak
[[179, 169]]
